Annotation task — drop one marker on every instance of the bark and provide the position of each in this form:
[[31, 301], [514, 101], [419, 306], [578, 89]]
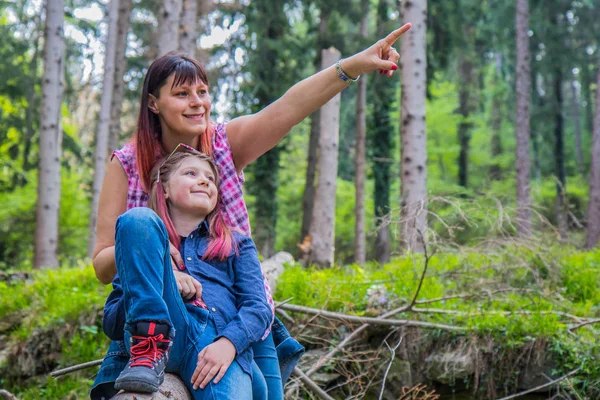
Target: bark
[[496, 124], [48, 194], [104, 119], [586, 92], [188, 30], [465, 71], [322, 227], [559, 156], [593, 223], [577, 127], [168, 26], [413, 135], [120, 68], [360, 160], [172, 388], [308, 198], [523, 98]]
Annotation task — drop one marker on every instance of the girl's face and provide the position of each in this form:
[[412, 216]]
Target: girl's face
[[183, 110], [191, 189]]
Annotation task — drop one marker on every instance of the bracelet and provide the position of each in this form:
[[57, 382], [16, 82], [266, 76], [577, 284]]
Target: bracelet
[[342, 74]]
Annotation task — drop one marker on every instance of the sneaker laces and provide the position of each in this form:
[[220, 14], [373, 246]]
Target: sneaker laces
[[147, 351]]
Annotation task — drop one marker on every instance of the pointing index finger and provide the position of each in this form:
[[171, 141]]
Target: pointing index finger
[[395, 35]]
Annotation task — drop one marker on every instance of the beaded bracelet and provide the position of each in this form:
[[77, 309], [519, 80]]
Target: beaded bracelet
[[342, 74]]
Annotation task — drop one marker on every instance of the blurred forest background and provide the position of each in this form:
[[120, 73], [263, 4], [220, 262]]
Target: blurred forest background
[[507, 92]]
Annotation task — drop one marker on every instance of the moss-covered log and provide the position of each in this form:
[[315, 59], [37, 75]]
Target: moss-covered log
[[172, 388]]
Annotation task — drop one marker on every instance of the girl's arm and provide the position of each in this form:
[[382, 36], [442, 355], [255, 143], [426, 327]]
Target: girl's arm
[[112, 203], [251, 136]]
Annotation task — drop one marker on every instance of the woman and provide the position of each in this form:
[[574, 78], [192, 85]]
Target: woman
[[175, 108]]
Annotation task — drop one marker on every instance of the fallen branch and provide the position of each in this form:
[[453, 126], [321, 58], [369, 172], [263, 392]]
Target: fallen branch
[[514, 396], [6, 395], [312, 385], [370, 320], [495, 312], [393, 351], [78, 367], [589, 322]]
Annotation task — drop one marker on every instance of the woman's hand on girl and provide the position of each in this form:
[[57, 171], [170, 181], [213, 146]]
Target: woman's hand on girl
[[213, 360], [381, 56], [176, 259], [188, 286]]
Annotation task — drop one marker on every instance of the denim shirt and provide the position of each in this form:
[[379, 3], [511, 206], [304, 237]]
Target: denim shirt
[[232, 289]]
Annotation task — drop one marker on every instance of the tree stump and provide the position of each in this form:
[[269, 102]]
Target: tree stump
[[172, 388]]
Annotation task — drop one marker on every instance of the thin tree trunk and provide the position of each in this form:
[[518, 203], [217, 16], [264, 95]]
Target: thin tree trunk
[[168, 26], [586, 92], [593, 222], [48, 196], [104, 119], [577, 127], [559, 156], [120, 68], [523, 93], [188, 32], [496, 125], [465, 72], [413, 134], [308, 198], [322, 227], [360, 161]]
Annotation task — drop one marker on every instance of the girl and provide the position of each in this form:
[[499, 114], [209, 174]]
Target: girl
[[207, 344]]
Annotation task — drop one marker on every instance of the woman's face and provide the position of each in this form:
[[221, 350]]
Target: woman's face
[[184, 110]]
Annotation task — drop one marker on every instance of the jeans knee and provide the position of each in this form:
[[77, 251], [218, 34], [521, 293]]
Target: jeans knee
[[139, 220]]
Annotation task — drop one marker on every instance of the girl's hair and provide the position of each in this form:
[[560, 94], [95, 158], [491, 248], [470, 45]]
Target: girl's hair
[[221, 237], [148, 137]]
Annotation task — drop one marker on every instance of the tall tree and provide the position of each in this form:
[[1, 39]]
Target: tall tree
[[168, 26], [360, 154], [104, 119], [188, 31], [523, 94], [46, 229], [124, 21], [413, 131], [593, 217], [575, 115], [322, 227], [496, 122], [559, 156]]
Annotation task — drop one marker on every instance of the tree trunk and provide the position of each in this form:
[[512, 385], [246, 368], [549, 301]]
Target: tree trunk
[[559, 156], [413, 134], [48, 194], [577, 127], [188, 32], [496, 125], [465, 72], [172, 388], [586, 82], [104, 119], [360, 160], [593, 222], [168, 26], [523, 94], [308, 198], [264, 188], [322, 227], [120, 68]]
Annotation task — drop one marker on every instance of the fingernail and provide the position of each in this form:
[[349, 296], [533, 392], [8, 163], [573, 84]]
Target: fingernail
[[394, 67], [380, 72], [182, 266]]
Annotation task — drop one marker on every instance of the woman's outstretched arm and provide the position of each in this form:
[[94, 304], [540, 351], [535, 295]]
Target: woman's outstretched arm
[[251, 136]]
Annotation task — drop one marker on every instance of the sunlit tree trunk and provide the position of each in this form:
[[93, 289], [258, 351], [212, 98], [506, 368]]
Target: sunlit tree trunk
[[104, 119], [188, 30], [523, 93], [360, 160], [322, 227], [576, 115], [593, 220], [413, 132], [168, 26], [48, 195], [120, 68]]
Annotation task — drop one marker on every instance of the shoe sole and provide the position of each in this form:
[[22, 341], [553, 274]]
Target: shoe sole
[[134, 385]]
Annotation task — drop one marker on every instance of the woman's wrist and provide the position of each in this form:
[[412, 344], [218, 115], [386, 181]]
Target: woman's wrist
[[351, 67]]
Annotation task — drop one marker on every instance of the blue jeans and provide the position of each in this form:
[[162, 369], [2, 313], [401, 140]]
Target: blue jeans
[[150, 294], [266, 376]]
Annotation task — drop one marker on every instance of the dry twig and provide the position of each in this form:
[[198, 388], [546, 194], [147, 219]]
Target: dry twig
[[523, 393]]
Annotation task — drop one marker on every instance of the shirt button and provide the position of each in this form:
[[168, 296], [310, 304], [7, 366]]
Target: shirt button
[[189, 258], [213, 309]]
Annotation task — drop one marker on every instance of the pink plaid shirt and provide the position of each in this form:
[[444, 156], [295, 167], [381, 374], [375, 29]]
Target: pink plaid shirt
[[232, 198]]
